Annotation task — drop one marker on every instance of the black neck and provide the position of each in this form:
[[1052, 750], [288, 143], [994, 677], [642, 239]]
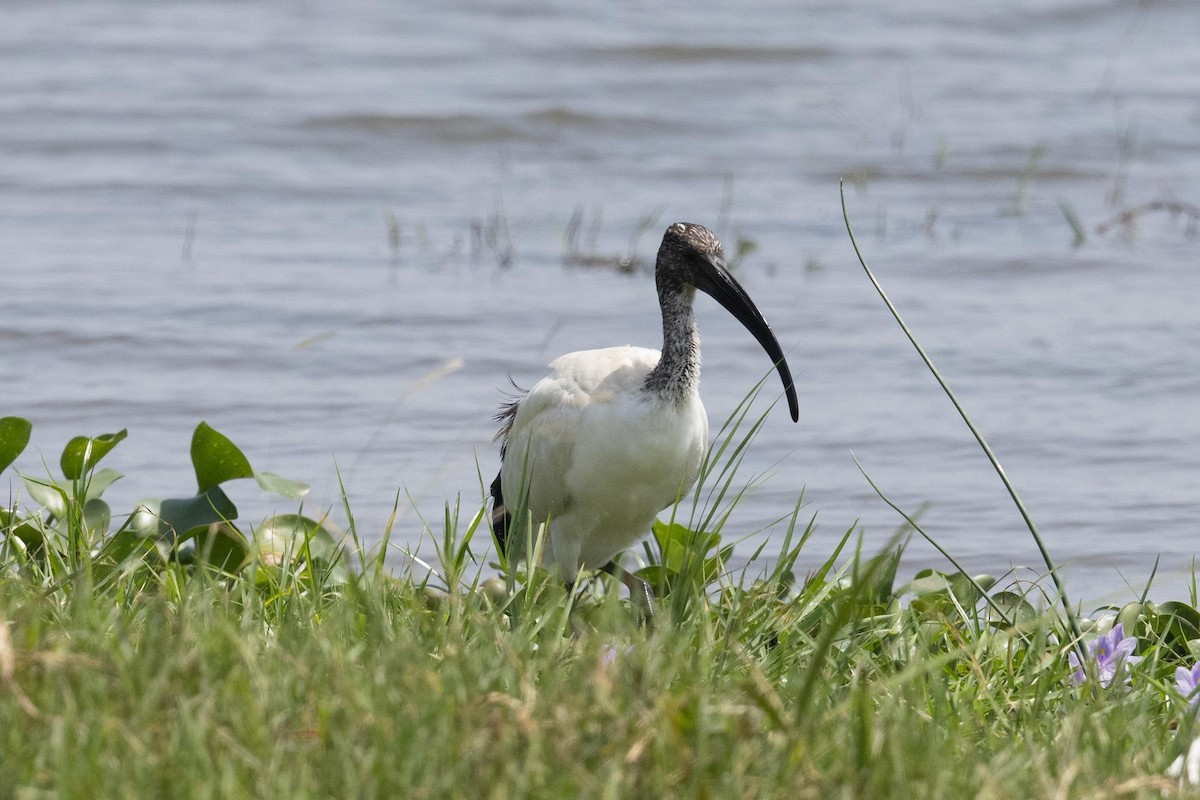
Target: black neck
[[677, 374]]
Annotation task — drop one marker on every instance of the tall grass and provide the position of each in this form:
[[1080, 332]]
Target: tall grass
[[300, 674]]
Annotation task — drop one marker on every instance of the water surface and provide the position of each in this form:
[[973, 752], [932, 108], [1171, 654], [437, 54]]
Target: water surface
[[333, 233]]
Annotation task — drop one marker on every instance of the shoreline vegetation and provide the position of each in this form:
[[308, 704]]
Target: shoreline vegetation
[[166, 658], [174, 652]]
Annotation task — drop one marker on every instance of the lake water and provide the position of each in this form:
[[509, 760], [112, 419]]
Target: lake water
[[334, 230]]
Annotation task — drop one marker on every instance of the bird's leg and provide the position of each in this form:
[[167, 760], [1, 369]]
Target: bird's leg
[[578, 629], [640, 592]]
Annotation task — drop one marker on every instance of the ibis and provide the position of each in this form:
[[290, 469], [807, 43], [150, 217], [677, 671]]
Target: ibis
[[611, 437]]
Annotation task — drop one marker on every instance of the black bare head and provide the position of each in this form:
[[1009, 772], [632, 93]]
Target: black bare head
[[691, 257]]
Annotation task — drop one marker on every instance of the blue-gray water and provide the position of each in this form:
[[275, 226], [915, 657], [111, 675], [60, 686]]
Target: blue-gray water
[[333, 230]]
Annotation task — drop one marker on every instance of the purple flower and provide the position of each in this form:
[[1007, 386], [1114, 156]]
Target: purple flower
[[1108, 654], [1186, 681]]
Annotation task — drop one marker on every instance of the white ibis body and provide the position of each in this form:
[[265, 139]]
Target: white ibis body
[[611, 437]]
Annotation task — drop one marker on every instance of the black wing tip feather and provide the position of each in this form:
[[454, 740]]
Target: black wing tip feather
[[505, 416], [500, 517]]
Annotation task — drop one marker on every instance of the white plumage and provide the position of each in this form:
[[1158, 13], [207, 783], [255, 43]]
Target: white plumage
[[600, 457], [611, 437]]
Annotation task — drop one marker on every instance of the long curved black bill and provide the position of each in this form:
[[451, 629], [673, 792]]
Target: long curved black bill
[[715, 280]]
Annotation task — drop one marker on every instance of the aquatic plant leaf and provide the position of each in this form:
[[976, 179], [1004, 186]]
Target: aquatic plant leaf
[[98, 481], [28, 530], [127, 544], [1019, 610], [14, 436], [925, 582], [96, 516], [676, 542], [83, 452], [1175, 624], [49, 494], [284, 537], [293, 490], [1131, 615], [174, 517], [656, 575], [1182, 610], [222, 546], [54, 495], [216, 459]]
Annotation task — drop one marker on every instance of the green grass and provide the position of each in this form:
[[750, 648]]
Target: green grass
[[296, 671], [191, 687]]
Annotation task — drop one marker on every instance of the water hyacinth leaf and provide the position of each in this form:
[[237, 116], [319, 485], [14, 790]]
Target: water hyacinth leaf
[[175, 517], [128, 544], [293, 490], [285, 537], [143, 521], [677, 542], [100, 480], [672, 543], [1019, 610], [656, 575], [48, 494], [83, 452], [96, 516], [14, 436], [1183, 611], [1175, 624], [216, 459], [931, 590], [925, 582], [222, 546], [964, 589], [1131, 615], [28, 531]]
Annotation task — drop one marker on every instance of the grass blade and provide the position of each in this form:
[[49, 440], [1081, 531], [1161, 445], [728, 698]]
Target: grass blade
[[1012, 492]]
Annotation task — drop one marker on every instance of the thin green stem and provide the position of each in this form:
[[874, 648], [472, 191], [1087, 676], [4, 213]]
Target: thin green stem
[[1012, 492], [912, 523]]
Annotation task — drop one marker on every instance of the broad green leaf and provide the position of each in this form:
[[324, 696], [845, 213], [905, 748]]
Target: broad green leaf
[[176, 516], [676, 542], [655, 575], [53, 495], [282, 538], [14, 435], [935, 590], [293, 490], [1018, 610], [50, 495], [968, 596], [1182, 610], [96, 516], [98, 481], [1175, 624], [927, 581], [1130, 615], [216, 459], [222, 546], [127, 544], [82, 452], [28, 530]]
